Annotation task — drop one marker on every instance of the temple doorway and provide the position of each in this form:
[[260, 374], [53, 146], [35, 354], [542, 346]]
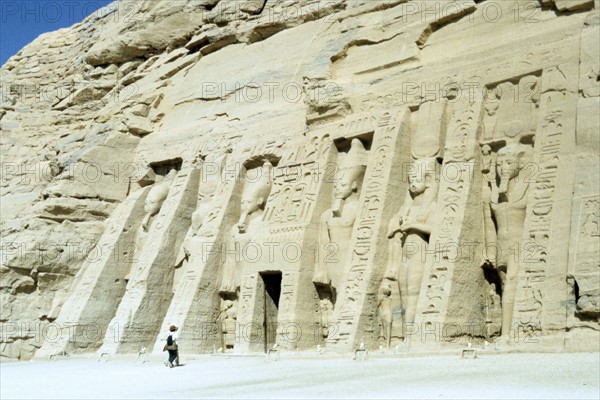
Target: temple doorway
[[270, 299]]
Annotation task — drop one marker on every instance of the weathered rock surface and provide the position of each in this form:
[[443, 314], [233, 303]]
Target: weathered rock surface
[[433, 177]]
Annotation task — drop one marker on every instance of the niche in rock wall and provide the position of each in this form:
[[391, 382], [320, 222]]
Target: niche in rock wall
[[511, 109], [162, 168], [344, 144], [506, 140], [255, 162], [428, 125], [337, 222], [158, 170]]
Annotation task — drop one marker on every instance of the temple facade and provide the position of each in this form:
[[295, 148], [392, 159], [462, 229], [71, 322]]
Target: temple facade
[[391, 175]]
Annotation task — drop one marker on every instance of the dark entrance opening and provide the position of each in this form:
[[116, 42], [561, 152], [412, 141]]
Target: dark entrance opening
[[271, 294]]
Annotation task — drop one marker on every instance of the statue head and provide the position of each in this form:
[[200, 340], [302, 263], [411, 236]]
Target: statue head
[[352, 171], [158, 194], [326, 304], [155, 199], [255, 194], [591, 206], [486, 152], [509, 163], [348, 182], [386, 289], [486, 149], [422, 175]]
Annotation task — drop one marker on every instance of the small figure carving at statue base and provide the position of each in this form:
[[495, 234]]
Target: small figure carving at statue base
[[385, 314]]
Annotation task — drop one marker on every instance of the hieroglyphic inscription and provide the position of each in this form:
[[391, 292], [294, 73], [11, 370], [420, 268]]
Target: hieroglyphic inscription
[[247, 292], [287, 293], [366, 231], [549, 136], [455, 182], [295, 186], [261, 148], [356, 126], [294, 193]]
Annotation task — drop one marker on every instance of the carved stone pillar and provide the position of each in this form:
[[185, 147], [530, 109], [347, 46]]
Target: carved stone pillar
[[149, 290], [195, 304], [356, 308], [542, 284], [450, 301]]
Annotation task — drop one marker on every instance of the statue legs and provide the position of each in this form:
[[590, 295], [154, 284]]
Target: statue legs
[[509, 289], [411, 286]]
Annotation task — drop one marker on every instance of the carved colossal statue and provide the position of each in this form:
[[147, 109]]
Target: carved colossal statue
[[154, 202], [336, 224], [156, 198], [252, 206], [211, 177], [508, 201], [409, 232]]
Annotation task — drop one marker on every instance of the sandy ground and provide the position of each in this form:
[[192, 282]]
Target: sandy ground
[[491, 376]]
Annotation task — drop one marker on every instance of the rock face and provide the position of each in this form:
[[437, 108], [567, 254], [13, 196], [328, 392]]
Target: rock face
[[303, 173]]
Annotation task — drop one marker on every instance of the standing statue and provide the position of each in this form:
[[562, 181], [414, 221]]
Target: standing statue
[[228, 319], [156, 198], [409, 232], [489, 178], [336, 224], [508, 201], [493, 310], [252, 206], [384, 308], [326, 310], [211, 177], [153, 204]]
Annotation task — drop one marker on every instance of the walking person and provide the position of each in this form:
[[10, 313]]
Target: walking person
[[172, 347]]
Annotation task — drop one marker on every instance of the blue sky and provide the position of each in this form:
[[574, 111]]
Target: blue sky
[[21, 21]]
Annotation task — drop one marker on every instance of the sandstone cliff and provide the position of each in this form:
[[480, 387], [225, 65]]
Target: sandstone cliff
[[128, 142]]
